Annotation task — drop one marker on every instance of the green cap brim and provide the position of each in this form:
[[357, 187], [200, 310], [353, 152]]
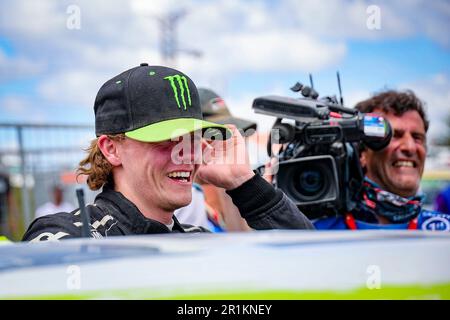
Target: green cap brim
[[170, 129]]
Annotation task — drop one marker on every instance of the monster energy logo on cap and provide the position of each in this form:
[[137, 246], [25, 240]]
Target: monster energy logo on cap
[[180, 82], [143, 106]]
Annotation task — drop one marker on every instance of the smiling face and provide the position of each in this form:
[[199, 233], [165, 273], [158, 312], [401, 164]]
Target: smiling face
[[398, 168], [153, 177]]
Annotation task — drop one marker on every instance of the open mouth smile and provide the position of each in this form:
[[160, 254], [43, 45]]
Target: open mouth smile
[[180, 176], [404, 163]]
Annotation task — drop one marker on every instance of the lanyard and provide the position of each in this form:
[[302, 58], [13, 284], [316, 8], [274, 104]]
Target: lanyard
[[351, 223]]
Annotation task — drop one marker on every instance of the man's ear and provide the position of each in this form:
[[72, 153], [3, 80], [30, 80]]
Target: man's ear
[[109, 149], [363, 158]]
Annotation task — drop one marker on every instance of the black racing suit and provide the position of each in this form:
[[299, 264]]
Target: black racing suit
[[114, 215]]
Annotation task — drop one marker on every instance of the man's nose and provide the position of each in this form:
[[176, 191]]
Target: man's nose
[[408, 144], [191, 150]]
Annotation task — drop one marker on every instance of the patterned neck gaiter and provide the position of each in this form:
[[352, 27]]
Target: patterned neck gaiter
[[375, 201]]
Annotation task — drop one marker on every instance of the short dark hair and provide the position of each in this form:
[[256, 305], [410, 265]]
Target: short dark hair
[[395, 102]]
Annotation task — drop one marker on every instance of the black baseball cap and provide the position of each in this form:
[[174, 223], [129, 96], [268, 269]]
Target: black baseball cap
[[152, 104], [215, 110]]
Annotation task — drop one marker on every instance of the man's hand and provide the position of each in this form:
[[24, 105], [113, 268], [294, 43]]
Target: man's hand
[[226, 163], [269, 169]]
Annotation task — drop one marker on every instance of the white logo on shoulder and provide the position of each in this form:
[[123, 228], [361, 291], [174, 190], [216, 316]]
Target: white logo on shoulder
[[48, 236], [436, 223]]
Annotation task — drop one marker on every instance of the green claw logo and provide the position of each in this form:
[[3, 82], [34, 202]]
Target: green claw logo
[[178, 82]]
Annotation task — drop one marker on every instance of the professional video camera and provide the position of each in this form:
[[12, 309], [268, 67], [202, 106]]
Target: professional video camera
[[318, 166]]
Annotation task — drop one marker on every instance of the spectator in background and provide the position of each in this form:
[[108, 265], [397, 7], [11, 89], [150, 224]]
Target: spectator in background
[[212, 207], [5, 193], [7, 223], [8, 207], [57, 204], [442, 201]]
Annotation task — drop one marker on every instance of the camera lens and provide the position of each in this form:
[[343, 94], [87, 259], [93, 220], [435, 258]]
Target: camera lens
[[309, 182]]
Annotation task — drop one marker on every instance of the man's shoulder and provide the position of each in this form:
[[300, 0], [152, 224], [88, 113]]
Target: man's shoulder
[[433, 220], [54, 227], [65, 225]]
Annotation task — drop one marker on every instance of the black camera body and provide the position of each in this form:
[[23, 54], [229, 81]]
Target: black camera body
[[318, 167]]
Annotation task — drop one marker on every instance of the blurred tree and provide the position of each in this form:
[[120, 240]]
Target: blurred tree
[[445, 139]]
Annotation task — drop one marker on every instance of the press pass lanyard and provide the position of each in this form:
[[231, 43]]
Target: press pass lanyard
[[351, 223]]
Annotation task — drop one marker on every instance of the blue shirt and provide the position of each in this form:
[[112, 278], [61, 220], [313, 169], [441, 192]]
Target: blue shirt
[[426, 220]]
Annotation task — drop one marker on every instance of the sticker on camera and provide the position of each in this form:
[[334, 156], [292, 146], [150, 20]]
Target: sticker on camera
[[374, 126]]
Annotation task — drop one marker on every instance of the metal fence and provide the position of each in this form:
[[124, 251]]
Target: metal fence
[[35, 157]]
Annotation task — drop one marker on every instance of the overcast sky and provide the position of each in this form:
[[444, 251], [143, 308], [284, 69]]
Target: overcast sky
[[51, 70]]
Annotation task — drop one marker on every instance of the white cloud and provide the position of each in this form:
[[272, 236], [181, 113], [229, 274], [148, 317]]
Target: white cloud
[[12, 68], [20, 109], [115, 59], [344, 19], [261, 52], [426, 18], [14, 104], [74, 87], [435, 92], [155, 7], [234, 36], [341, 19], [353, 97], [238, 34], [78, 84], [30, 19], [272, 51], [250, 41]]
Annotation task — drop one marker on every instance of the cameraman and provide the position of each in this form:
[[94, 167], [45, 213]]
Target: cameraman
[[389, 198]]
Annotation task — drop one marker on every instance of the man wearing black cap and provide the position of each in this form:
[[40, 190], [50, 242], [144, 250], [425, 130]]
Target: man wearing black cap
[[142, 116]]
